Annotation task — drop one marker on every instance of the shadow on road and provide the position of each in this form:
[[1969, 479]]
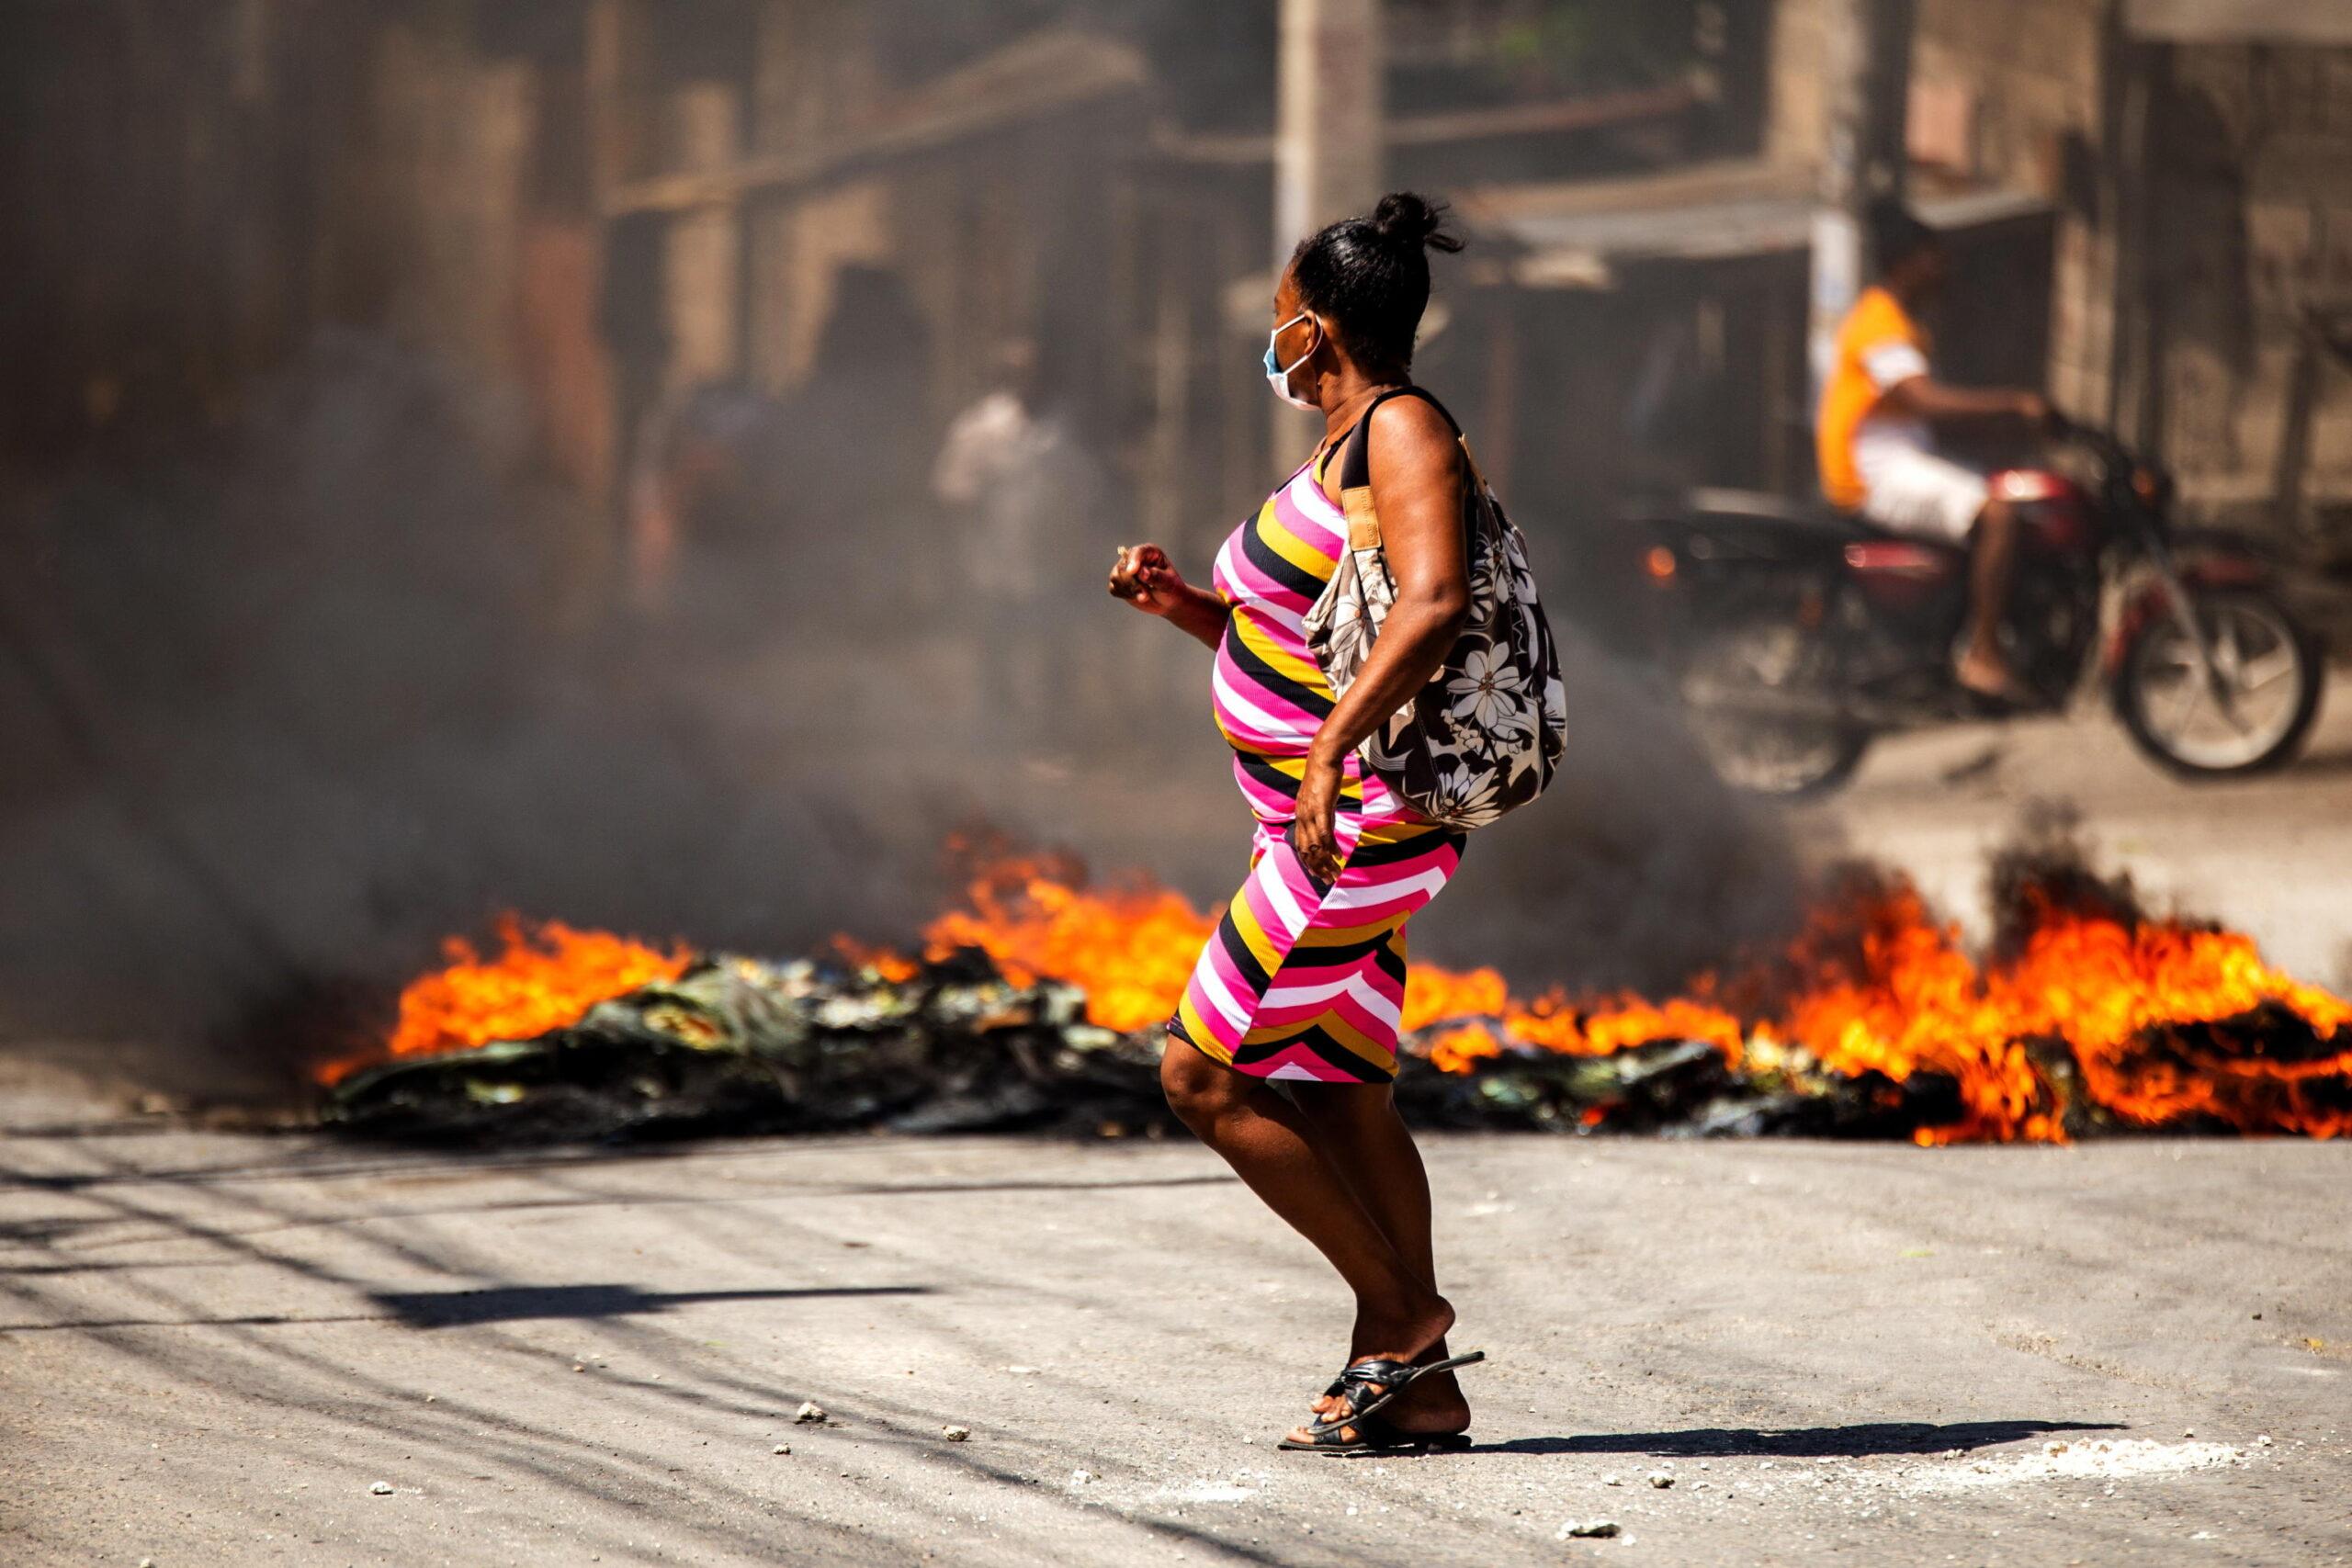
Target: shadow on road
[[2330, 761], [1854, 1441], [509, 1304], [414, 1171], [493, 1303]]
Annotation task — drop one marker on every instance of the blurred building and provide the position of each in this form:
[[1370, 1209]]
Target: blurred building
[[2150, 203], [600, 205], [2196, 158]]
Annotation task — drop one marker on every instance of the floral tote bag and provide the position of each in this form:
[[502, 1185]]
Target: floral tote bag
[[1486, 733]]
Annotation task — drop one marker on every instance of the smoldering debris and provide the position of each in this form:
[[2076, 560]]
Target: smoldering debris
[[2089, 1016], [739, 1045]]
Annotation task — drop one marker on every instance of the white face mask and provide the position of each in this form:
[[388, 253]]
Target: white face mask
[[1278, 374]]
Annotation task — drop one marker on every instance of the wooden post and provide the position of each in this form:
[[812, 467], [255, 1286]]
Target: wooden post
[[1328, 119], [1783, 419], [2145, 273], [705, 255], [2321, 337], [1866, 89], [605, 50], [1328, 116]]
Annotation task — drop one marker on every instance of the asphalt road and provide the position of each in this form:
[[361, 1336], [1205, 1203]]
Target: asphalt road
[[214, 1346]]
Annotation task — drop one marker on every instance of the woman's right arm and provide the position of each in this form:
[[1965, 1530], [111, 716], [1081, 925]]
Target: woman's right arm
[[1145, 577]]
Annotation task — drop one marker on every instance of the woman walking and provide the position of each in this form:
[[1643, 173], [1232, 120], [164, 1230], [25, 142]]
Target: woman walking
[[1304, 979]]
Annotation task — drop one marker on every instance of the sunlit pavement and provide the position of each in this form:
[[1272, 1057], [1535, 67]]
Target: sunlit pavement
[[217, 1346], [2272, 854]]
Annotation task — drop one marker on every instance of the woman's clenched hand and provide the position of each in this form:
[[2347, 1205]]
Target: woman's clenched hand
[[1145, 577]]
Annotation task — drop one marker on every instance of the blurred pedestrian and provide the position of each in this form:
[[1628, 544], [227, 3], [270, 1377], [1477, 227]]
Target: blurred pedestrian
[[1015, 481]]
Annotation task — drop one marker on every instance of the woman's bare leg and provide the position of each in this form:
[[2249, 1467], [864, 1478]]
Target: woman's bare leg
[[1356, 1129], [1269, 1146]]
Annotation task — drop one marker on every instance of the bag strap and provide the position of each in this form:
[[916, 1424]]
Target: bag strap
[[1355, 467]]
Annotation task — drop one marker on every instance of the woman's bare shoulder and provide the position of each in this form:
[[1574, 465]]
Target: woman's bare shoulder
[[1409, 440], [1405, 438]]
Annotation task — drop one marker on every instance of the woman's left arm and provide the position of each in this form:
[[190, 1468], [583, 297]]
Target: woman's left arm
[[1417, 478]]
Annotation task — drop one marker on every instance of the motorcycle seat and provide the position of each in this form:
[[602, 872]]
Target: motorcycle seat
[[1816, 517]]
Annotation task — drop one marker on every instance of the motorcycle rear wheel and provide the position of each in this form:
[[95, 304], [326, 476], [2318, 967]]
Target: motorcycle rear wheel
[[1788, 756], [2266, 662]]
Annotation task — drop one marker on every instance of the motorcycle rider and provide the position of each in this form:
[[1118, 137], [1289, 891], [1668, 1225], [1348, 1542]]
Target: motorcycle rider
[[1875, 446]]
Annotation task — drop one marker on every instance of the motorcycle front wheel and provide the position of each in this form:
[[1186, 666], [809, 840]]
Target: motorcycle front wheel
[[2253, 712]]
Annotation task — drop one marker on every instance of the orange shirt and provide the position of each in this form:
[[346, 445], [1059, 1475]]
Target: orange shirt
[[1877, 345]]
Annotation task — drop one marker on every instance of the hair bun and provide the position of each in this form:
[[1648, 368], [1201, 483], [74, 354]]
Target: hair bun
[[1412, 219]]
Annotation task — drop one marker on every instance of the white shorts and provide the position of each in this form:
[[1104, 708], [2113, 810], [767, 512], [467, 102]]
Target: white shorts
[[1914, 491]]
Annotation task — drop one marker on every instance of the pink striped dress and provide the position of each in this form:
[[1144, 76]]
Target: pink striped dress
[[1302, 979]]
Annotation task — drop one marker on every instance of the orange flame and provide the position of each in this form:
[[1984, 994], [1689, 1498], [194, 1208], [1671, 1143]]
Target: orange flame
[[1907, 999], [2146, 1009], [1129, 946], [894, 967], [2105, 989], [546, 976]]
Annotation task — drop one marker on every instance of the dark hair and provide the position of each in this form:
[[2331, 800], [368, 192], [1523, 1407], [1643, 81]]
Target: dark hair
[[1895, 233], [1369, 277]]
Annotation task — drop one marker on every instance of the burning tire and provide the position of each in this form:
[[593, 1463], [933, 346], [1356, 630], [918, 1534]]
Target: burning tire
[[2256, 710]]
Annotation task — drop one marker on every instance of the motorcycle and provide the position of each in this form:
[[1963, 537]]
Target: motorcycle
[[1797, 635]]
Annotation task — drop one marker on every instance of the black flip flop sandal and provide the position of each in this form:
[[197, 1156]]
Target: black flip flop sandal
[[1392, 1378], [1375, 1436]]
